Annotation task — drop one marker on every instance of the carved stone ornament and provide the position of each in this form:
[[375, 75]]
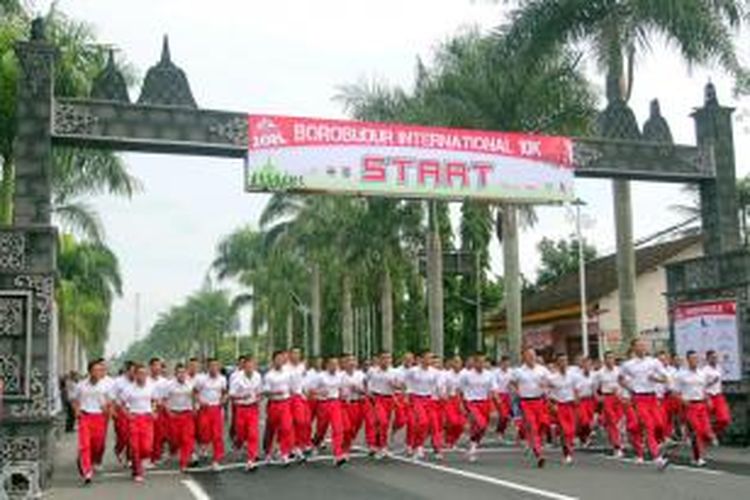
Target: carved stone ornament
[[584, 154], [43, 287], [232, 130], [15, 449], [10, 372], [38, 406], [12, 251], [70, 119], [11, 317], [36, 60], [20, 480]]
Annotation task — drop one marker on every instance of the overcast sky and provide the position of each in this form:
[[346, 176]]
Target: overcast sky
[[289, 57]]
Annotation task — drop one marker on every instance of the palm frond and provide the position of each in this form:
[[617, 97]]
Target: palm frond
[[81, 219]]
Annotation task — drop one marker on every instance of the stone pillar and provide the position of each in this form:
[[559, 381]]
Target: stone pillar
[[27, 268], [713, 129]]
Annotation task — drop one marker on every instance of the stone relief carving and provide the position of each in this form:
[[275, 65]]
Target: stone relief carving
[[43, 287], [38, 406], [71, 119], [233, 130], [12, 251], [14, 449], [11, 317], [10, 372]]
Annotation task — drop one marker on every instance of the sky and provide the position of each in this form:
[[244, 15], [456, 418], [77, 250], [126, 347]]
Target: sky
[[291, 57]]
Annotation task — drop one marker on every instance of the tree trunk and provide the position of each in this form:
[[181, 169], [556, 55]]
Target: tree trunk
[[512, 280], [289, 338], [386, 310], [6, 192], [625, 261], [347, 325], [315, 306], [435, 282]]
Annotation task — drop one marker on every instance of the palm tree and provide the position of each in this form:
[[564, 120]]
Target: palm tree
[[75, 172], [88, 282], [477, 82], [617, 30]]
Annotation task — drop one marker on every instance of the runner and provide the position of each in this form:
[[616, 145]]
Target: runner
[[279, 423], [161, 422], [586, 407], [530, 382], [691, 384], [91, 408], [717, 403], [455, 420], [211, 391], [423, 384], [245, 391], [138, 400], [357, 408], [641, 375], [477, 387], [122, 424], [503, 402], [381, 384], [564, 394], [328, 390], [179, 404], [608, 387], [299, 406]]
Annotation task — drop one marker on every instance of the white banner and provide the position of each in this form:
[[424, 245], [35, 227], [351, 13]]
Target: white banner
[[705, 326]]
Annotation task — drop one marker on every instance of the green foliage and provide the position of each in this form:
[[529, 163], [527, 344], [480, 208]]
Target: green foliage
[[89, 280], [559, 258], [197, 327]]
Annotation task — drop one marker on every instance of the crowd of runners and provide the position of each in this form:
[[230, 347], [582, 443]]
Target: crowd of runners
[[644, 401]]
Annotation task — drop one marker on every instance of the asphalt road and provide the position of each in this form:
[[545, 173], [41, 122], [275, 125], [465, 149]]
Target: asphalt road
[[500, 473]]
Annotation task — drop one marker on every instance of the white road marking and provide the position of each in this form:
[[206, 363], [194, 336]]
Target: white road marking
[[196, 490], [700, 470], [488, 479]]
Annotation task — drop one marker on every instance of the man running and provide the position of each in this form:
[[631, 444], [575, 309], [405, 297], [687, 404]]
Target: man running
[[477, 386], [641, 375], [530, 382], [691, 384], [91, 408], [608, 387], [563, 386], [355, 405], [717, 403], [279, 422], [138, 400], [381, 385], [179, 403], [245, 391], [211, 391], [328, 390], [423, 382]]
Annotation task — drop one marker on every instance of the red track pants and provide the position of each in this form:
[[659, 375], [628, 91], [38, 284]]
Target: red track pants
[[383, 411], [92, 434], [280, 426], [585, 411], [211, 430], [566, 421], [536, 417], [302, 422], [141, 438], [161, 434], [330, 414], [633, 426], [455, 420], [504, 409], [672, 404], [479, 418], [426, 421], [358, 413], [182, 435], [696, 415], [612, 412], [122, 429], [719, 410], [650, 416], [246, 429]]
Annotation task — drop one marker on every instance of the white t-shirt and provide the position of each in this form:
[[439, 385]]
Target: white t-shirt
[[177, 396], [210, 389], [713, 380], [691, 384], [381, 382], [92, 398], [159, 385], [117, 387], [422, 382], [477, 386], [639, 372], [608, 381], [246, 390], [277, 383], [451, 383], [329, 385], [297, 375], [585, 384], [502, 379], [563, 387], [353, 385], [531, 382], [139, 400], [309, 380]]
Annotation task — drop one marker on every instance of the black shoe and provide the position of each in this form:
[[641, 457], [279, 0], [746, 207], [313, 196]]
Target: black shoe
[[340, 462], [540, 462]]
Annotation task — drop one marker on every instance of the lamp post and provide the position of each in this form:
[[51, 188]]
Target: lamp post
[[578, 203]]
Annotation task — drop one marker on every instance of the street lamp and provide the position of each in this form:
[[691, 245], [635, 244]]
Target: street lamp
[[580, 222]]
